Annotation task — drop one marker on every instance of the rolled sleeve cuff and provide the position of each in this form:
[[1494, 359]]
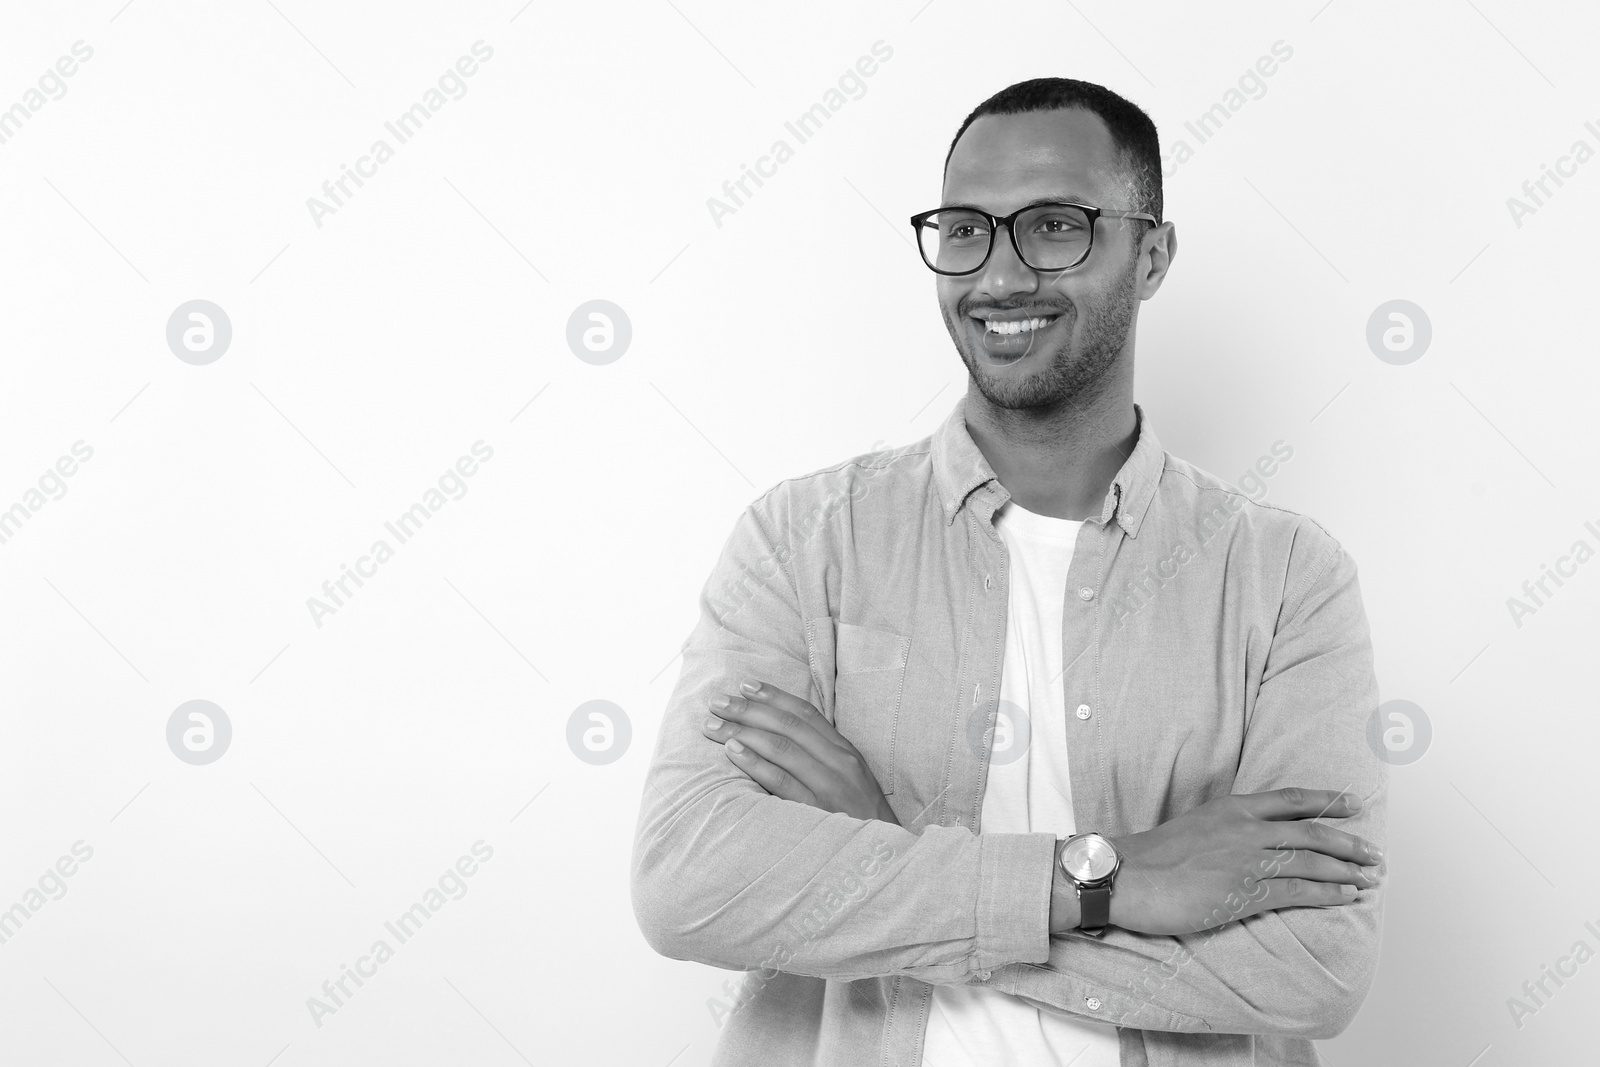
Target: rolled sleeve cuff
[[1015, 872]]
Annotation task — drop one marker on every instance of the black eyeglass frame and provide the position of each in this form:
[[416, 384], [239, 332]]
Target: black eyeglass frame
[[996, 221]]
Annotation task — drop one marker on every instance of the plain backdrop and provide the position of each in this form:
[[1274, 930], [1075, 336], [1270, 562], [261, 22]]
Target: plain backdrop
[[374, 345]]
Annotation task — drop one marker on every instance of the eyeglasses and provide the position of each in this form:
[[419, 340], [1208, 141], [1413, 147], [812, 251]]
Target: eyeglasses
[[1047, 237]]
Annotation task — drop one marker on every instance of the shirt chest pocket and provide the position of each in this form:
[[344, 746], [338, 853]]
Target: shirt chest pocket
[[869, 683]]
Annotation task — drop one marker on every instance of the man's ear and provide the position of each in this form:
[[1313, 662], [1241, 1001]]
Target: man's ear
[[1157, 249]]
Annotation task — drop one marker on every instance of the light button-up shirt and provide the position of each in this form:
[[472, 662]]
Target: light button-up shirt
[[1219, 646]]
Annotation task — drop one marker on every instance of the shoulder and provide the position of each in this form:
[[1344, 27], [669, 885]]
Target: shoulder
[[1212, 508], [888, 475]]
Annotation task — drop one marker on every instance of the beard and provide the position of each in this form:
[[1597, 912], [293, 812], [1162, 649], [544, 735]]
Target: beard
[[1092, 336]]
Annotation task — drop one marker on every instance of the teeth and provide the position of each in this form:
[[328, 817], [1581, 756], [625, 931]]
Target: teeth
[[1017, 325]]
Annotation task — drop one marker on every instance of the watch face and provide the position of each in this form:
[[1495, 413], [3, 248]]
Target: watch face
[[1089, 858]]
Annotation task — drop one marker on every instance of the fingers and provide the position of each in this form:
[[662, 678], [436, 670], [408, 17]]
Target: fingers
[[771, 696], [797, 727], [1304, 893], [772, 748], [1294, 863], [1294, 803], [1320, 838], [769, 776]]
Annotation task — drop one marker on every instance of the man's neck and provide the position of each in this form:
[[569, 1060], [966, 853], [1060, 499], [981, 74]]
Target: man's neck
[[1057, 461]]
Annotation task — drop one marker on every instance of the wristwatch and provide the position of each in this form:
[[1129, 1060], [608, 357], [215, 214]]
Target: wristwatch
[[1091, 862]]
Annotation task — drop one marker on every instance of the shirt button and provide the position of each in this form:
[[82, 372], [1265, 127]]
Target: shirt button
[[1086, 593], [983, 976], [1092, 1003], [986, 581], [1083, 711]]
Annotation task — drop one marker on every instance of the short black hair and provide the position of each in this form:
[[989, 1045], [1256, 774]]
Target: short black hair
[[1132, 131]]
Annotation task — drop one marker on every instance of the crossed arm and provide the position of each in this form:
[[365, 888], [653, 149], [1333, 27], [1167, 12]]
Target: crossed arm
[[1228, 919], [1265, 849], [1237, 857]]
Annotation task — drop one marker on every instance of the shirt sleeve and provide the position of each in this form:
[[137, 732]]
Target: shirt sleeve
[[1297, 971], [725, 874]]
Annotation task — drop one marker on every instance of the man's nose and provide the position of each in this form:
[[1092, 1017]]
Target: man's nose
[[1005, 274]]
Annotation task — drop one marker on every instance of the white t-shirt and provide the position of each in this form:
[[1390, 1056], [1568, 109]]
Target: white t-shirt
[[1029, 790]]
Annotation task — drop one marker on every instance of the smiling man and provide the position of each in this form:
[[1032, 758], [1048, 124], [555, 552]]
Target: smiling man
[[1025, 743]]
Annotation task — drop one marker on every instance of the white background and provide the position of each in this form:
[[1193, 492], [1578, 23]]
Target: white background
[[370, 352]]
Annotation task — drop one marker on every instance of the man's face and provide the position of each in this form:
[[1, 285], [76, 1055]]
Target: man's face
[[1000, 164]]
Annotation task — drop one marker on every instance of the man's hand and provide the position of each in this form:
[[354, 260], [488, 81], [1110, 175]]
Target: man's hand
[[1240, 855], [787, 748]]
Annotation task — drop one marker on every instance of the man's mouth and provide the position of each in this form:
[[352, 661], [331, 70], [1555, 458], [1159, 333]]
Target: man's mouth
[[1008, 336], [1009, 326]]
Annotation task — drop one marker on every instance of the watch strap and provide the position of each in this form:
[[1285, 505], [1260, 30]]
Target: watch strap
[[1094, 906]]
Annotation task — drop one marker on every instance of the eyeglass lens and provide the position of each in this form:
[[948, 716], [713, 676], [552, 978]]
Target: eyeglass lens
[[1051, 237]]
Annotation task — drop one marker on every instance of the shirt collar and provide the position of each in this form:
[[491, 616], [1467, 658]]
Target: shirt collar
[[959, 468]]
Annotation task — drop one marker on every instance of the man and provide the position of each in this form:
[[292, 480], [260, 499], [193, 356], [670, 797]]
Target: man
[[1020, 744]]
